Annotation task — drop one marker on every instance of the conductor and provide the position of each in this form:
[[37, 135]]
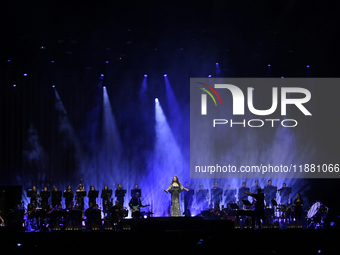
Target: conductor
[[259, 207]]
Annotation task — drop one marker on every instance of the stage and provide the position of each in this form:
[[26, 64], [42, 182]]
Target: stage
[[227, 106], [167, 235]]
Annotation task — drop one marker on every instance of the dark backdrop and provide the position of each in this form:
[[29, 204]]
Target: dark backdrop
[[68, 44]]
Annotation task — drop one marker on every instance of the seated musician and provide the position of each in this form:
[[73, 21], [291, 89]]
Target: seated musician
[[135, 205], [92, 219], [116, 213], [56, 197], [216, 213], [34, 194], [31, 223], [228, 213], [75, 216]]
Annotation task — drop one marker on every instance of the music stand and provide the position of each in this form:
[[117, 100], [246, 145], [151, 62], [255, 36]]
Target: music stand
[[41, 214], [57, 194], [93, 193], [234, 206], [133, 192], [246, 202], [45, 194], [120, 192], [81, 193], [107, 192], [68, 194]]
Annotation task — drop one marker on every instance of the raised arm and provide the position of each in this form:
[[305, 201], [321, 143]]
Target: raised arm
[[250, 194]]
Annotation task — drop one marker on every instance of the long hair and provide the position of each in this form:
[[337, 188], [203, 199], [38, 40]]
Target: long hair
[[175, 181]]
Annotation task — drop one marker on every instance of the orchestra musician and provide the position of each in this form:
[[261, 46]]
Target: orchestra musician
[[80, 194], [88, 210], [322, 213], [227, 213], [135, 205], [34, 194], [116, 212], [120, 194], [202, 196], [298, 205], [31, 218], [136, 189], [56, 197], [45, 195], [59, 215], [270, 193], [50, 209], [229, 195], [93, 218], [256, 186], [216, 213], [68, 195], [106, 197], [242, 195], [284, 194], [15, 217], [187, 198], [216, 195], [93, 194], [75, 216]]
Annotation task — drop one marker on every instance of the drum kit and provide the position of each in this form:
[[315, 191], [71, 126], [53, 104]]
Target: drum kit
[[316, 215], [283, 211]]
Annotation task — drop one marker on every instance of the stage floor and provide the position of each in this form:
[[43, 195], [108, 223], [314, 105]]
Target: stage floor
[[174, 235]]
